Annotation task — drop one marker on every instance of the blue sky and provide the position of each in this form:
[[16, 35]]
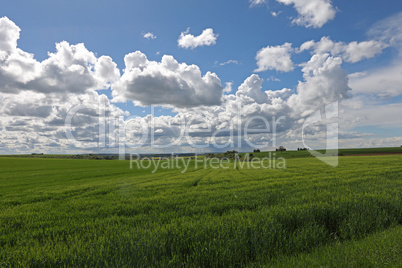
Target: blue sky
[[241, 30], [115, 29]]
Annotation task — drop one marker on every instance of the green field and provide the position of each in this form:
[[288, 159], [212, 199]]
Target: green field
[[65, 212], [340, 152]]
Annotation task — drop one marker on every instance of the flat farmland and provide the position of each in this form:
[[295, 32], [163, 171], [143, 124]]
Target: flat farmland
[[65, 212]]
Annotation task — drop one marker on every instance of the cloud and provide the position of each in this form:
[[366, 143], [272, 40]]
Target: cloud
[[275, 14], [106, 70], [24, 106], [355, 51], [166, 83], [383, 117], [275, 58], [9, 34], [375, 90], [17, 68], [75, 69], [245, 107], [357, 75], [37, 96], [324, 82], [149, 35], [229, 62], [312, 13], [72, 68], [350, 52], [389, 31], [373, 142], [251, 88], [251, 106], [37, 120], [206, 38], [228, 87], [274, 79], [381, 82], [254, 3]]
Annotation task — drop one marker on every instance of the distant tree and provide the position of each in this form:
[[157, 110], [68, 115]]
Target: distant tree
[[256, 151], [281, 149], [249, 157], [230, 154]]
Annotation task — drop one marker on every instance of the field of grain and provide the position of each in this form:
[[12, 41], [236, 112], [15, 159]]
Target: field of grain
[[56, 212]]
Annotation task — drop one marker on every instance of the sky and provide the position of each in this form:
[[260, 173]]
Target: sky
[[199, 76]]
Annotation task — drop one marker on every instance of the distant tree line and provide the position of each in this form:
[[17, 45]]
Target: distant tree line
[[227, 155], [302, 149], [281, 149]]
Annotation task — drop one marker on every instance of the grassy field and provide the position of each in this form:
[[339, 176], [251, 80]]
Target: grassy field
[[341, 152], [65, 212], [383, 249]]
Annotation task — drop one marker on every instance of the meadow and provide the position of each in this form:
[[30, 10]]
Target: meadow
[[67, 212], [340, 152]]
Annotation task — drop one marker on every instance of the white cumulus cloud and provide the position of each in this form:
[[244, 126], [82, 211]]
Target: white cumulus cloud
[[324, 82], [350, 52], [149, 35], [37, 96], [9, 34], [72, 68], [312, 13], [206, 38], [275, 58], [166, 83]]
